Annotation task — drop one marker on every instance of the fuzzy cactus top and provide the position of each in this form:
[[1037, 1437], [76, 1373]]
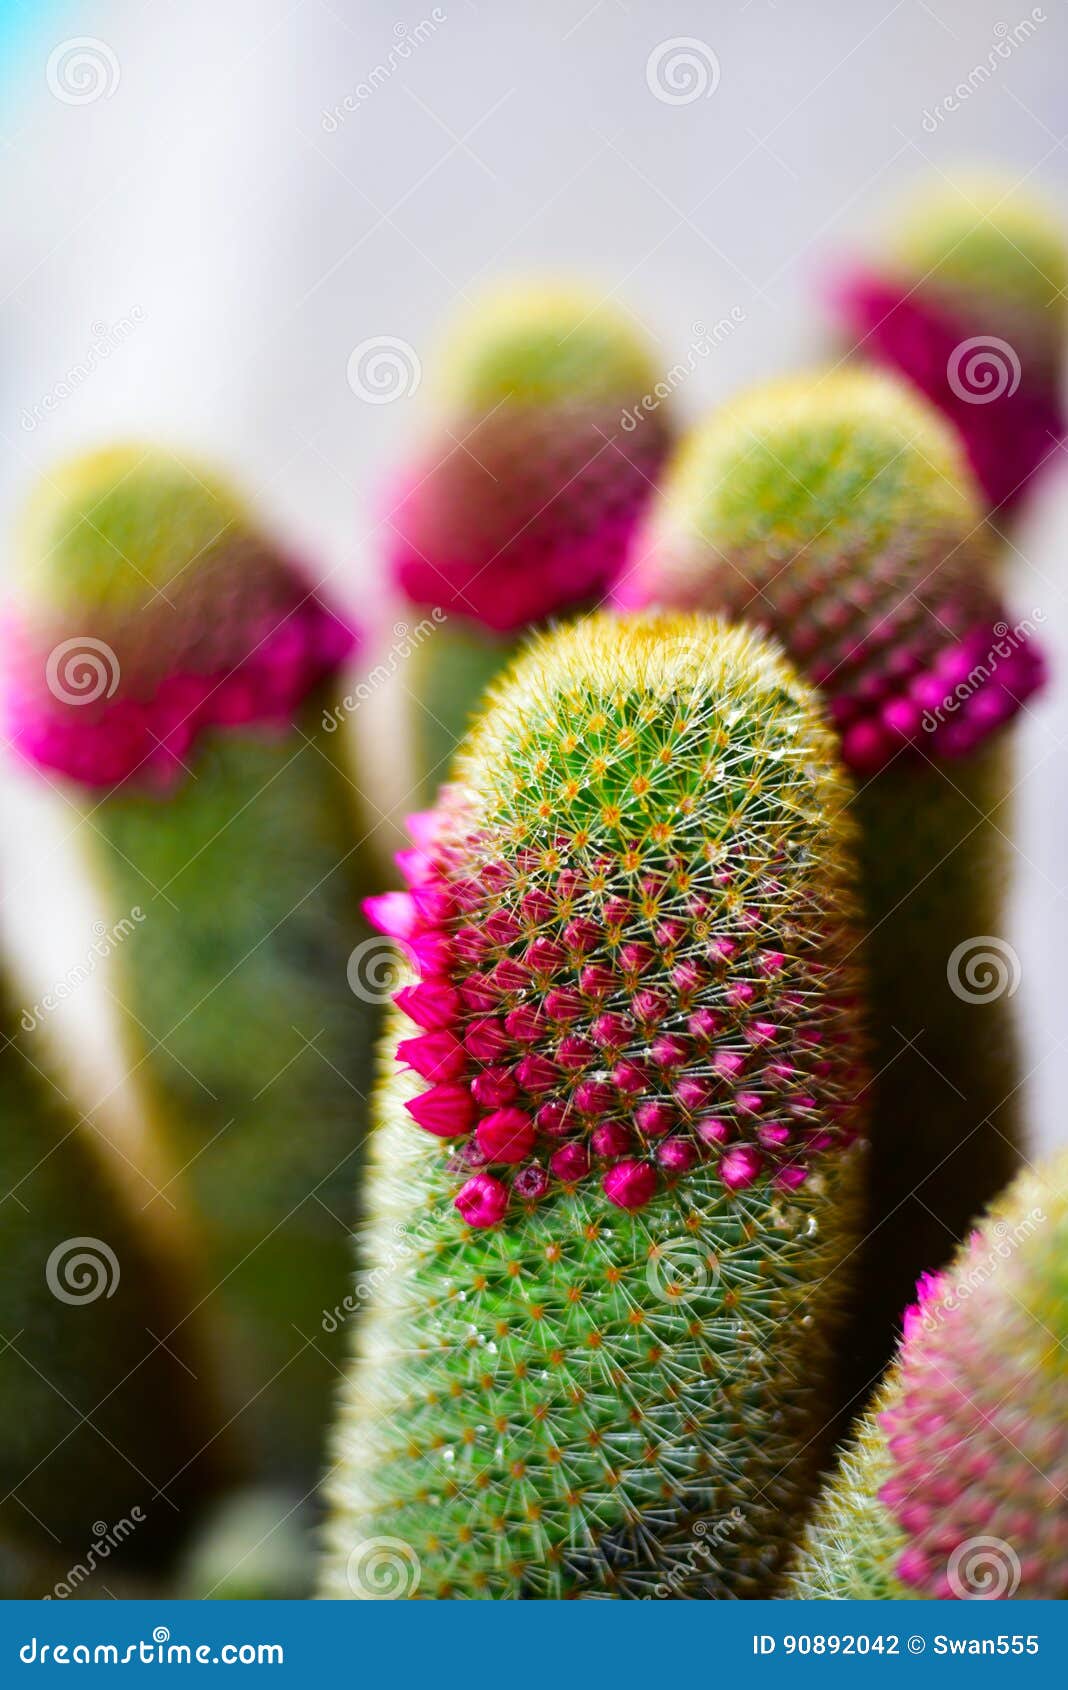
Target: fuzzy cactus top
[[523, 501], [956, 1486], [150, 608], [602, 924], [834, 510], [967, 301], [614, 1179]]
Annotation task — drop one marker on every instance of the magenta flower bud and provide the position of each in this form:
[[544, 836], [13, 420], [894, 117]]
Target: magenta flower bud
[[631, 1077], [482, 1201], [594, 1097], [505, 1136], [596, 980], [629, 1184], [554, 1119], [493, 1087], [563, 1004], [678, 1155], [574, 1053], [570, 1163], [536, 1073], [487, 1041], [525, 1023], [446, 1109], [610, 1139], [393, 913], [740, 1167], [431, 1004], [655, 1119], [436, 1056], [530, 1183], [710, 1129]]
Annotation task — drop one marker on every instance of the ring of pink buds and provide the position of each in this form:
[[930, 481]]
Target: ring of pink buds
[[573, 1021]]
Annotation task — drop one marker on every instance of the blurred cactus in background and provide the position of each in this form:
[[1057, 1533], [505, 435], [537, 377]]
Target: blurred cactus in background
[[522, 503], [616, 1171], [835, 512], [172, 664], [967, 300], [957, 1483], [107, 1409]]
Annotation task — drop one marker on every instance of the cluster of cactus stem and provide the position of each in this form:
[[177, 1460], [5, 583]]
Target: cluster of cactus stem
[[185, 728], [954, 1485], [617, 1136], [966, 301], [523, 502], [835, 512]]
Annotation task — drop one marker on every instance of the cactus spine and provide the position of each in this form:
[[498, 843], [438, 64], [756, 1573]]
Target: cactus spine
[[219, 811], [967, 302], [955, 1486], [523, 502], [615, 1174], [835, 512]]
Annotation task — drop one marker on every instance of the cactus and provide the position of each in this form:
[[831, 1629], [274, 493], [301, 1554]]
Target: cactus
[[616, 1165], [168, 662], [836, 513], [105, 1404], [957, 1483], [967, 301], [523, 502]]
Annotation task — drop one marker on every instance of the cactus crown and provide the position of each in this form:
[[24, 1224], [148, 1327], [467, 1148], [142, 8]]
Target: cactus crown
[[836, 512], [545, 345], [526, 501], [114, 527], [956, 1487], [621, 911], [986, 238], [150, 610]]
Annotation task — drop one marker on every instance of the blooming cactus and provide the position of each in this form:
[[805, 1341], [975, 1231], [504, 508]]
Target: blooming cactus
[[835, 512], [168, 663], [967, 301], [523, 502], [617, 1137], [955, 1486]]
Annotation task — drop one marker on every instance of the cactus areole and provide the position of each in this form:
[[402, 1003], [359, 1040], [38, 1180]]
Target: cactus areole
[[617, 1131]]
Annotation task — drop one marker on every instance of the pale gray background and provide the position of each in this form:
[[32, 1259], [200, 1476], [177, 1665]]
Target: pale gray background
[[206, 196]]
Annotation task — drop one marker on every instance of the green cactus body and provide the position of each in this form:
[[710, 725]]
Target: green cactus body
[[105, 1408], [955, 1485], [523, 502], [835, 513], [603, 1284], [250, 1049]]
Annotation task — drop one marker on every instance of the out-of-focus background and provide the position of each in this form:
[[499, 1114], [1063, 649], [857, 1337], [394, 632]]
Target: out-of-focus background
[[210, 208]]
